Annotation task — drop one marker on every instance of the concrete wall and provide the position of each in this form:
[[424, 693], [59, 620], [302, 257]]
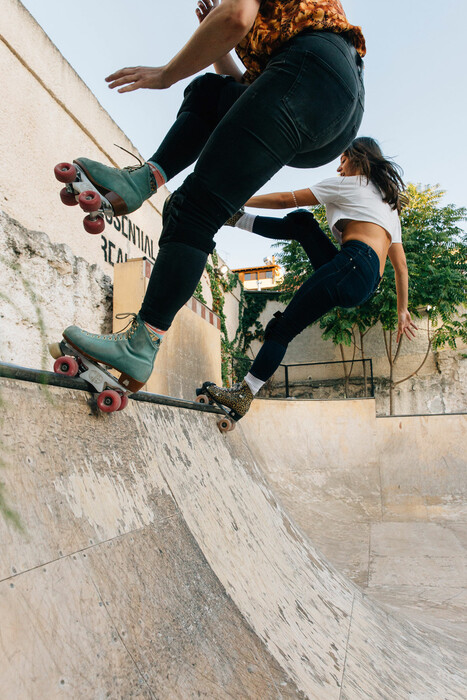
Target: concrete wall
[[56, 274], [189, 356], [439, 387], [231, 300], [48, 115], [191, 351]]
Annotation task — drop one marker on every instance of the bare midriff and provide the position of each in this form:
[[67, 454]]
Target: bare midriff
[[373, 235]]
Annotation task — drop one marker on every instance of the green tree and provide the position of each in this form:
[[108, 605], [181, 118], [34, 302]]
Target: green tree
[[436, 250]]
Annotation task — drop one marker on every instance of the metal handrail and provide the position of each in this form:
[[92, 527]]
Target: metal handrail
[[331, 362]]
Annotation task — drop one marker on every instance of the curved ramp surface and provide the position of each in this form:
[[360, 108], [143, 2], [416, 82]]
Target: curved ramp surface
[[156, 562], [384, 499]]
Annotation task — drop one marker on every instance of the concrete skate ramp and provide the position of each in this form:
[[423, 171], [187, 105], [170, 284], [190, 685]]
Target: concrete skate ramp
[[384, 499], [156, 562]]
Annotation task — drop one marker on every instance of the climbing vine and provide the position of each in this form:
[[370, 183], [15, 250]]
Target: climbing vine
[[255, 303], [198, 294], [221, 285]]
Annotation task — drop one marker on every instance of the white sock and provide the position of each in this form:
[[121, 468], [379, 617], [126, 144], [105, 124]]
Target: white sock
[[253, 382], [246, 222]]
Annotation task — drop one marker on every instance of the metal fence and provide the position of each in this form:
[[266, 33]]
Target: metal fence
[[342, 379], [321, 380]]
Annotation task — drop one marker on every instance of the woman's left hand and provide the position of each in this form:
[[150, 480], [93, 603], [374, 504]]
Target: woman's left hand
[[406, 326], [139, 77], [204, 8]]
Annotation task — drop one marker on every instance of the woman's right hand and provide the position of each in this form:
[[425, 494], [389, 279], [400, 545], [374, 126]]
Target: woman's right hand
[[204, 8], [405, 326]]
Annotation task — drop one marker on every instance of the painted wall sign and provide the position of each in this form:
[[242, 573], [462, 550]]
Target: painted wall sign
[[113, 253]]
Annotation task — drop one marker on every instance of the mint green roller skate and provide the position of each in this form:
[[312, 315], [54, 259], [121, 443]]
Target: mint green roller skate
[[100, 190], [131, 352]]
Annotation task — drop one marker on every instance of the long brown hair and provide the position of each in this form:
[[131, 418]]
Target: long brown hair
[[365, 154]]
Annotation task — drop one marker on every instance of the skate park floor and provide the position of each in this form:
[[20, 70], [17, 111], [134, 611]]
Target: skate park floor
[[314, 552]]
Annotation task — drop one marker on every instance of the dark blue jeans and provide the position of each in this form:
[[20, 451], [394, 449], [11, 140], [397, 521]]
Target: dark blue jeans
[[299, 226], [345, 277], [303, 111]]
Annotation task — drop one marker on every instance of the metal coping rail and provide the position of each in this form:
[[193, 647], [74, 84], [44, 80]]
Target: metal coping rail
[[39, 376]]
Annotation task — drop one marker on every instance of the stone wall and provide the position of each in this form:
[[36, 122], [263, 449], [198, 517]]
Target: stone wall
[[45, 287]]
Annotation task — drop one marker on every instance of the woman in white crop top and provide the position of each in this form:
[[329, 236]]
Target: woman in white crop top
[[362, 208]]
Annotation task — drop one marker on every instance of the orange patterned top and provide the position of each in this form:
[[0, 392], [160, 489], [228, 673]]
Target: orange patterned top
[[280, 20]]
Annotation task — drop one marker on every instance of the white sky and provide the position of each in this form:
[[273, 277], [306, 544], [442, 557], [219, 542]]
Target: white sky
[[415, 79]]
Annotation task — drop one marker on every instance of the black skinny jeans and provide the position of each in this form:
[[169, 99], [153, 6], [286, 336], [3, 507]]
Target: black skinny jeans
[[303, 110], [345, 277]]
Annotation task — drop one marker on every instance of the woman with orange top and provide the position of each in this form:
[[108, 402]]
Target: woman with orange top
[[299, 102]]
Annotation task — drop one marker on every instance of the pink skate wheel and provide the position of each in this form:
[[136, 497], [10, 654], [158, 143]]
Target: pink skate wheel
[[89, 201], [67, 198], [124, 402], [109, 401], [67, 366], [202, 398], [93, 226], [65, 172]]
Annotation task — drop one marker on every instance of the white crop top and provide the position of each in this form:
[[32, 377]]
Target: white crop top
[[353, 198]]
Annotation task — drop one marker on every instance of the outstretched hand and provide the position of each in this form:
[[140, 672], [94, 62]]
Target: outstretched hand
[[204, 8], [138, 77], [129, 79], [406, 326]]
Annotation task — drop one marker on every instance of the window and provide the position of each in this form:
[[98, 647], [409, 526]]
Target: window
[[250, 276]]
